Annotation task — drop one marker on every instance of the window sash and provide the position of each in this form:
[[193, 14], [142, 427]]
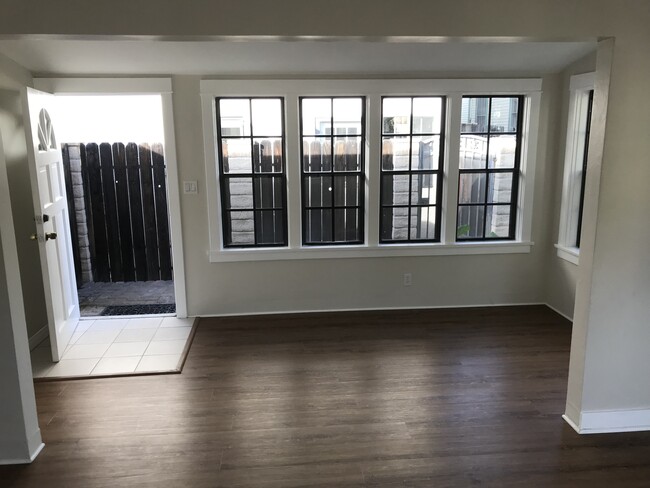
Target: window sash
[[515, 171], [256, 209], [334, 209]]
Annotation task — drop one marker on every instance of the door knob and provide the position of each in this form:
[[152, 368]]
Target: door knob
[[50, 235], [34, 237]]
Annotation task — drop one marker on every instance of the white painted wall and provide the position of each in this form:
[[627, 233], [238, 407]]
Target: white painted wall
[[561, 275], [614, 283], [20, 437], [12, 78]]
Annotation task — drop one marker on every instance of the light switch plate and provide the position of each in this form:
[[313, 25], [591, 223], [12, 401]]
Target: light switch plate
[[190, 187]]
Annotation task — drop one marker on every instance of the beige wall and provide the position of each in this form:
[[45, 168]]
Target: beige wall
[[561, 275], [12, 79], [613, 284], [333, 284]]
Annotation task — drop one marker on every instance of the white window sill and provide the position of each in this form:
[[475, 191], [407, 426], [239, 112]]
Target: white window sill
[[570, 254], [381, 250]]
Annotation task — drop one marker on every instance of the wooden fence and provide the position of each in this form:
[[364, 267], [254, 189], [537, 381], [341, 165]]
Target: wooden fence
[[125, 195]]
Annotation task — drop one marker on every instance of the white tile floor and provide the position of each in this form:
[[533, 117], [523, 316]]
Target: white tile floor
[[117, 346]]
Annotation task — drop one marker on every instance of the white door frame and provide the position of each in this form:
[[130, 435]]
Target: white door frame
[[141, 86]]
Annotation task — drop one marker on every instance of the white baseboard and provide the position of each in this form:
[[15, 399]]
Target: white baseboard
[[37, 451], [370, 309], [39, 337], [570, 319], [610, 421]]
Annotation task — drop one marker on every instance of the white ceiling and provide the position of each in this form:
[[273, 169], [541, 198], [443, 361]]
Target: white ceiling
[[144, 57]]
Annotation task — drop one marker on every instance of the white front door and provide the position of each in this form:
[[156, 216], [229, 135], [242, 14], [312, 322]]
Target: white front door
[[52, 221]]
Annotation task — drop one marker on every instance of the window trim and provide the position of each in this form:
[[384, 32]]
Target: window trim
[[579, 88], [373, 90]]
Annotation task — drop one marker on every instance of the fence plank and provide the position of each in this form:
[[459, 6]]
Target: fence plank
[[110, 206], [72, 213], [160, 190], [123, 212], [135, 201], [149, 212], [101, 268]]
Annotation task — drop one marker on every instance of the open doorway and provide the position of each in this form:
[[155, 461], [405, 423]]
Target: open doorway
[[114, 162], [118, 229]]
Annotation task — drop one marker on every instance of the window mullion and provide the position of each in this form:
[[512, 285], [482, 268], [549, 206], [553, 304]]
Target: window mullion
[[293, 162], [373, 168], [450, 168]]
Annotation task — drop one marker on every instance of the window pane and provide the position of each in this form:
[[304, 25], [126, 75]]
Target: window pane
[[239, 193], [502, 151], [396, 115], [267, 155], [347, 154], [237, 156], [497, 221], [504, 114], [269, 227], [347, 116], [474, 114], [394, 224], [471, 188], [427, 113], [395, 189], [346, 225], [317, 154], [318, 191], [395, 153], [346, 190], [316, 116], [235, 116], [499, 187], [267, 116], [473, 152], [318, 226], [424, 189], [268, 192], [425, 152], [470, 222], [242, 228], [423, 223]]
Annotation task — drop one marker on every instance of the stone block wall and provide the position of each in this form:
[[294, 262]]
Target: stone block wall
[[80, 212]]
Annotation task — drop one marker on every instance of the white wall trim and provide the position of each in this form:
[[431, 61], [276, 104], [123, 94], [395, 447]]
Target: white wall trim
[[37, 451], [162, 87], [610, 421], [452, 89], [106, 86], [580, 86], [570, 254], [42, 334], [368, 309], [377, 251]]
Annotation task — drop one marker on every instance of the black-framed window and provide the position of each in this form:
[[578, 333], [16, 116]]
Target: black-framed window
[[250, 143], [489, 159], [411, 168], [583, 176], [332, 133]]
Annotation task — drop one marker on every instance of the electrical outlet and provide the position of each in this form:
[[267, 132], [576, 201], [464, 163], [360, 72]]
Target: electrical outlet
[[408, 279], [190, 187]]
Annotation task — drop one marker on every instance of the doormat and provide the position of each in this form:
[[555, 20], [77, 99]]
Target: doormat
[[148, 309]]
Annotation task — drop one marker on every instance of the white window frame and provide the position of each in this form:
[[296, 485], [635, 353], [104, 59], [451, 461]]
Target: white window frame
[[579, 87], [373, 90]]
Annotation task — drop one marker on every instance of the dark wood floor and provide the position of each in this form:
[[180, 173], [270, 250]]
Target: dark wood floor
[[444, 398]]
